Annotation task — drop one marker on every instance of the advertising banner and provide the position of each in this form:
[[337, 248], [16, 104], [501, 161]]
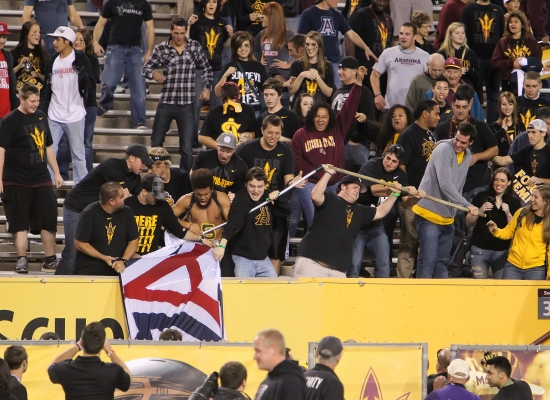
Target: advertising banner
[[167, 370], [381, 371], [529, 363]]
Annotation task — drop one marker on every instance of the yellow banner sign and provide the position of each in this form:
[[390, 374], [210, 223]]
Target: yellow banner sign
[[521, 186]]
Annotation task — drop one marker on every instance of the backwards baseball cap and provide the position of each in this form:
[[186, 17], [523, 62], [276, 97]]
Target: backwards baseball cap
[[227, 140], [353, 179], [64, 32], [453, 62], [154, 185], [140, 151], [349, 62], [459, 369], [329, 346], [4, 29], [537, 124], [230, 89]]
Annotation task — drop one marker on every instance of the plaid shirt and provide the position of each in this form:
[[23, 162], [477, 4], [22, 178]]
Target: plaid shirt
[[179, 70]]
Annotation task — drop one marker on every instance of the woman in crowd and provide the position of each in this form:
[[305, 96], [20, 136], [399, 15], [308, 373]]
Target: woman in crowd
[[250, 16], [29, 57], [529, 230], [176, 181], [505, 128], [5, 381], [213, 34], [245, 71], [396, 120], [314, 74], [422, 21], [455, 45], [271, 45], [302, 104], [518, 42], [500, 203]]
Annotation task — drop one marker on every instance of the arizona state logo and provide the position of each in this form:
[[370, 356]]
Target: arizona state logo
[[527, 118], [349, 217], [263, 217], [211, 40], [517, 52], [427, 147], [486, 24], [38, 138], [311, 87], [352, 6], [231, 126], [110, 232], [257, 8], [372, 390], [240, 84], [383, 35], [269, 172], [206, 226]]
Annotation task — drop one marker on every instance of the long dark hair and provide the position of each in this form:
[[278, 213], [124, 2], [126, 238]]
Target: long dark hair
[[38, 49], [88, 41], [387, 131], [237, 40], [309, 124], [298, 107], [5, 375], [203, 3], [509, 190]]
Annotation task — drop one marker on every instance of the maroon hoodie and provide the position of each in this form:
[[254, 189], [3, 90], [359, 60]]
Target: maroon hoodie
[[313, 148], [537, 14]]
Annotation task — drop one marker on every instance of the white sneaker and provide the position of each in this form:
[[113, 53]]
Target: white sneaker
[[120, 90]]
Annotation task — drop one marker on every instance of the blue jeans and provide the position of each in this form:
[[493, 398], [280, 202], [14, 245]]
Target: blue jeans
[[491, 77], [63, 150], [356, 156], [304, 195], [530, 274], [377, 245], [435, 248], [296, 213], [184, 116], [75, 135], [482, 259], [337, 83], [127, 61], [214, 100], [48, 44], [246, 268], [68, 255]]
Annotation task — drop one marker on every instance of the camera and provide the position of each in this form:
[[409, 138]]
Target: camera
[[208, 388], [489, 213]]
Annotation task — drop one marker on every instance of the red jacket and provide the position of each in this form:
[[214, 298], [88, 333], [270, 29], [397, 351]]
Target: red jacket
[[505, 63], [451, 12], [537, 14], [313, 148]]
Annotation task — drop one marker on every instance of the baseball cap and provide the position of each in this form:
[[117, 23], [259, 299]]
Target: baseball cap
[[537, 124], [227, 140], [154, 185], [140, 151], [453, 62], [230, 89], [64, 32], [329, 346], [353, 179], [4, 29], [459, 369], [349, 62]]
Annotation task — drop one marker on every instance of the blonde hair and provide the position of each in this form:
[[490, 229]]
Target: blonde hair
[[272, 337], [160, 152], [511, 99], [447, 45], [544, 191]]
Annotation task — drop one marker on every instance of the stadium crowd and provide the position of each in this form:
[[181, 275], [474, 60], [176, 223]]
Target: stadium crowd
[[284, 104]]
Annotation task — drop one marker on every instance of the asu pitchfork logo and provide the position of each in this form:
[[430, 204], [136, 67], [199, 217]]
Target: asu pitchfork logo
[[110, 232], [486, 25], [38, 138], [211, 41], [372, 389]]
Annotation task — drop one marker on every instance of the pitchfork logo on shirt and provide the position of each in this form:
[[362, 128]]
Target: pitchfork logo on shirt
[[110, 232], [38, 138]]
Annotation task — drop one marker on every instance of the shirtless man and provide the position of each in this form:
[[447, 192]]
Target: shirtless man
[[204, 208]]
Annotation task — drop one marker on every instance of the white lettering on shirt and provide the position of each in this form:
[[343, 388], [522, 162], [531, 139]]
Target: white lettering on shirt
[[313, 382]]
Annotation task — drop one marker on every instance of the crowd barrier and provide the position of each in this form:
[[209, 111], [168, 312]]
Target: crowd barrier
[[529, 363]]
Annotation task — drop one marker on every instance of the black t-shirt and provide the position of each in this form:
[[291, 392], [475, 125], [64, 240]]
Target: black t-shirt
[[25, 138], [255, 76], [479, 174], [427, 46], [312, 87], [533, 162], [343, 220], [178, 186], [248, 7], [527, 110], [519, 390], [89, 378], [484, 27], [107, 233], [418, 144], [227, 177], [291, 122], [110, 170], [126, 17], [323, 383], [276, 163], [24, 76], [482, 238], [217, 122], [211, 34], [149, 220]]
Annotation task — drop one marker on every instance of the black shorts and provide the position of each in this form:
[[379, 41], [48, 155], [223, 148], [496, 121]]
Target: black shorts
[[34, 207], [279, 238]]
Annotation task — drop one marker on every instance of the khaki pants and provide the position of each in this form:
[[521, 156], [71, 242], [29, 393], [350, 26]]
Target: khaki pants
[[408, 246], [307, 268], [185, 8]]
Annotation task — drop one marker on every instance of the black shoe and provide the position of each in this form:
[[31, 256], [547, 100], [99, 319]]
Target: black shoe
[[100, 111]]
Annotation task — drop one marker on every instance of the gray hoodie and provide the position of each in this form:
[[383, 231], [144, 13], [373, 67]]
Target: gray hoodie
[[444, 179]]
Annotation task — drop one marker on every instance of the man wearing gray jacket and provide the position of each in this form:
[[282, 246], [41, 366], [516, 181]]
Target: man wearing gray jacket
[[444, 178]]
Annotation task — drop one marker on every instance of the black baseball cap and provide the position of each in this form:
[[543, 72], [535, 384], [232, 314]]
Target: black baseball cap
[[140, 151], [154, 185], [329, 346], [353, 179], [349, 62]]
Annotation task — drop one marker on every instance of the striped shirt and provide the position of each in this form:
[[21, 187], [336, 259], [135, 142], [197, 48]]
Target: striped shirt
[[179, 70]]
